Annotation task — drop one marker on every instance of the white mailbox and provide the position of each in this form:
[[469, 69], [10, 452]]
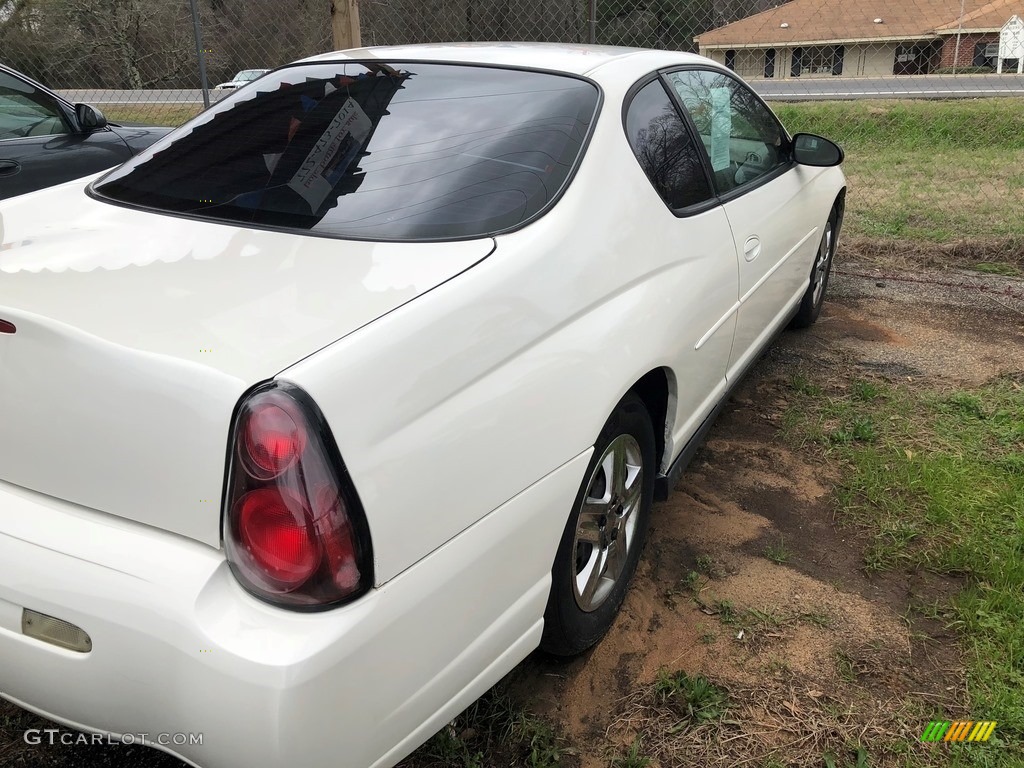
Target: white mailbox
[[1011, 44]]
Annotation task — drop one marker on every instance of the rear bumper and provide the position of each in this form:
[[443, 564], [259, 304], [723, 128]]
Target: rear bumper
[[179, 648]]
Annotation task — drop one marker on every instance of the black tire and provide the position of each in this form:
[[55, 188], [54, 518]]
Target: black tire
[[580, 610], [821, 270]]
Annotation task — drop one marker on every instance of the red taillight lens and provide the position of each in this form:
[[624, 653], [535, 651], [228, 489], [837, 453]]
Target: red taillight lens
[[277, 538], [294, 531], [273, 441]]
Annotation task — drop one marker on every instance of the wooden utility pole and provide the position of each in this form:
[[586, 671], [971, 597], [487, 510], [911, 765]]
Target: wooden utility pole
[[345, 24]]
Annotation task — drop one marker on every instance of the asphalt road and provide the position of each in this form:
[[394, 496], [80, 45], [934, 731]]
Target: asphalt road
[[909, 87]]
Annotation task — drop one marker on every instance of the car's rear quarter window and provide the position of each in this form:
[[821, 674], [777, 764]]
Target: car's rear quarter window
[[665, 149], [406, 151]]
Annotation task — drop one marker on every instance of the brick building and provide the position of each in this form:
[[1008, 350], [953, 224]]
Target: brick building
[[869, 38]]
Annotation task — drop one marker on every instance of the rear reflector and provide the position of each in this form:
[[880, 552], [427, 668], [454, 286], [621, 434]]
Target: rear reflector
[[57, 632]]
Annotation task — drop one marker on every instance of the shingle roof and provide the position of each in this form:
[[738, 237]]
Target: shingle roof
[[811, 21], [991, 16]]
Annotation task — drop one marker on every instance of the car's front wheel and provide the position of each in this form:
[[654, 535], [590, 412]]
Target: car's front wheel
[[810, 306], [602, 541]]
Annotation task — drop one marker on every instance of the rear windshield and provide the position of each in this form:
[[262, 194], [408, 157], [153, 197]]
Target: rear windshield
[[361, 150]]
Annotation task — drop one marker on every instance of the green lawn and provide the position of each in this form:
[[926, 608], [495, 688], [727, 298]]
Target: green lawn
[[926, 171], [936, 479], [150, 114]]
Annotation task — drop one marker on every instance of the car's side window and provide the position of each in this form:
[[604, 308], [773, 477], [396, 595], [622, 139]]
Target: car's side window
[[666, 150], [26, 111], [744, 140]]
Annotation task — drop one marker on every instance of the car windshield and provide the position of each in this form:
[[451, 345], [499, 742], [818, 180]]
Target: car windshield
[[360, 150], [248, 74]]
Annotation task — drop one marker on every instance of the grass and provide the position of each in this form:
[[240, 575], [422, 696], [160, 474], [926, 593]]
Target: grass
[[859, 759], [804, 386], [777, 552], [150, 114], [696, 699], [939, 486], [845, 667], [996, 268], [926, 171], [817, 618], [493, 730], [776, 721], [691, 581], [706, 564], [633, 758]]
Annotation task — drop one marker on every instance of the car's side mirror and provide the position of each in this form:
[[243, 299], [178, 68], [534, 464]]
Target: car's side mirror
[[816, 151], [89, 118]]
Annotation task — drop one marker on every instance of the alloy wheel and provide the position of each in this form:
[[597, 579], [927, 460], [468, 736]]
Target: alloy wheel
[[823, 263], [606, 524]]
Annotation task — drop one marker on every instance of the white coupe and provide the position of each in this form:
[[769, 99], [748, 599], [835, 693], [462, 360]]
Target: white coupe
[[322, 413]]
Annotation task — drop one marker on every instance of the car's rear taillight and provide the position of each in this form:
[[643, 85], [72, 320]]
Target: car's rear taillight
[[294, 531]]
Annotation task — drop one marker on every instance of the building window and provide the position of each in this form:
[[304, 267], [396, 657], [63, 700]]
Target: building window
[[986, 54], [819, 60], [917, 58], [730, 59], [769, 63]]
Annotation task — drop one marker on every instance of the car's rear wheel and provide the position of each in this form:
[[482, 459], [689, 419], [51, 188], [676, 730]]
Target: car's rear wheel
[[605, 534], [810, 306]]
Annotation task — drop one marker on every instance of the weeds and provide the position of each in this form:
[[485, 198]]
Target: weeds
[[861, 429], [706, 565], [696, 699], [845, 667], [858, 753], [691, 581], [777, 552], [725, 611], [492, 726], [820, 620], [802, 385], [996, 268], [866, 391], [936, 480], [632, 758]]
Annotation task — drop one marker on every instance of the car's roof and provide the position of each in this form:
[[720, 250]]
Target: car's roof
[[557, 57]]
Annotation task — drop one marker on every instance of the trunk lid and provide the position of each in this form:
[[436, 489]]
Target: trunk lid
[[137, 333]]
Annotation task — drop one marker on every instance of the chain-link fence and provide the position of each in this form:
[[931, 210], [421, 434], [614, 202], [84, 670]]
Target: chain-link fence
[[139, 60], [875, 74]]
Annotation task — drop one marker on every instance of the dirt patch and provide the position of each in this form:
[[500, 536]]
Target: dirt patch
[[748, 580], [959, 345]]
